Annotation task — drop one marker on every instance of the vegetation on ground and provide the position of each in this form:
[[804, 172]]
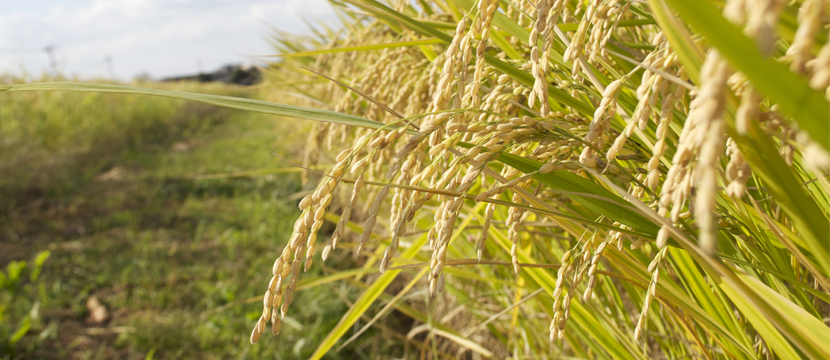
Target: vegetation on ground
[[161, 210]]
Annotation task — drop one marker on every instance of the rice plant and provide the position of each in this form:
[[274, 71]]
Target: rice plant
[[596, 179]]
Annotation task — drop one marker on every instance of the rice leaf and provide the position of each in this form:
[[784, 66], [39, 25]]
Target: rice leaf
[[359, 48], [218, 100]]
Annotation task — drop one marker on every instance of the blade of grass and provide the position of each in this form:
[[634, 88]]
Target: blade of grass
[[218, 100], [811, 224], [427, 41], [366, 299], [386, 308]]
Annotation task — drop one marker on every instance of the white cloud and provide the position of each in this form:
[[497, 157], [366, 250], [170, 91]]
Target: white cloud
[[160, 37]]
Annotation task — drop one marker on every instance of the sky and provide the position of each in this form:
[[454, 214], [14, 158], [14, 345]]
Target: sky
[[158, 38]]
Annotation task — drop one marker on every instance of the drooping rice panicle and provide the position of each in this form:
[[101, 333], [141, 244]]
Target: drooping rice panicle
[[569, 117]]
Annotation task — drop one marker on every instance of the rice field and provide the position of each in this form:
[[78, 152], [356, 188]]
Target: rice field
[[587, 179]]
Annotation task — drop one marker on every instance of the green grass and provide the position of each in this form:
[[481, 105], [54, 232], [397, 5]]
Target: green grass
[[129, 218]]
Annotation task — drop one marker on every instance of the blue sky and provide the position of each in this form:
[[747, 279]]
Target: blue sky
[[156, 37]]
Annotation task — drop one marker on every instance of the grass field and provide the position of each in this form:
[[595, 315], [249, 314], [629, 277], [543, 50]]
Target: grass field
[[145, 210]]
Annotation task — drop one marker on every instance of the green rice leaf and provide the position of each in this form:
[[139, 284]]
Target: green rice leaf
[[613, 208], [218, 100]]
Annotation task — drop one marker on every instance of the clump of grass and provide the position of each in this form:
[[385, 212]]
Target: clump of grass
[[46, 137], [21, 292]]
